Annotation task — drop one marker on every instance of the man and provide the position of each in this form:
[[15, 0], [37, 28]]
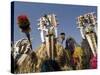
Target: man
[[62, 36]]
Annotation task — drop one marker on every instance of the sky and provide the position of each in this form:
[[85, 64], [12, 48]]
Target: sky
[[66, 16]]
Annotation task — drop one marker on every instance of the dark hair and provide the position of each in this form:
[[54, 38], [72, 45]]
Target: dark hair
[[62, 33]]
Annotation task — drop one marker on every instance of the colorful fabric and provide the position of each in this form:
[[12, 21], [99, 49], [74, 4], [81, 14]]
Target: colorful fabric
[[77, 55], [77, 52], [93, 62]]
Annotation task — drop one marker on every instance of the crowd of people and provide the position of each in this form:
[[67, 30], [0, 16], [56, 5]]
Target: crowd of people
[[78, 56], [25, 60], [81, 56]]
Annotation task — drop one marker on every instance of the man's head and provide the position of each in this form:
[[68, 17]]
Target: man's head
[[62, 36]]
